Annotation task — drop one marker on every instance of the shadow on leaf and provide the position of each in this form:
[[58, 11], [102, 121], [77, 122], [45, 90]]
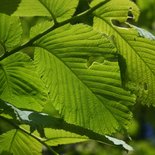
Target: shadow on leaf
[[9, 7]]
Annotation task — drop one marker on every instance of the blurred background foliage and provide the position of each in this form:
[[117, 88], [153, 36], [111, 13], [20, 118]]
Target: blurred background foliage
[[142, 129], [147, 16]]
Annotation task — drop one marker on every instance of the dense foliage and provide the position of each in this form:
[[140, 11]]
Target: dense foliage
[[71, 74]]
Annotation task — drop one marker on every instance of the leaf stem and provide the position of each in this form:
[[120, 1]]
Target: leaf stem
[[56, 25], [39, 140], [29, 134]]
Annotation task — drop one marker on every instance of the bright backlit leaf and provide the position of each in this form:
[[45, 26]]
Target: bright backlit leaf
[[57, 9], [54, 131], [135, 45], [84, 92], [18, 142], [20, 84]]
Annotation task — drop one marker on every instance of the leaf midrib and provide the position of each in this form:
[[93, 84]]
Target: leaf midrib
[[12, 141], [51, 13], [81, 82], [126, 43]]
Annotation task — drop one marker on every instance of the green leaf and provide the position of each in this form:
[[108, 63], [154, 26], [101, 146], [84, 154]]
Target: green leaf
[[116, 9], [84, 93], [18, 142], [54, 130], [10, 33], [20, 84], [57, 9], [5, 126], [60, 9], [136, 46], [23, 8], [40, 28], [8, 7], [56, 137]]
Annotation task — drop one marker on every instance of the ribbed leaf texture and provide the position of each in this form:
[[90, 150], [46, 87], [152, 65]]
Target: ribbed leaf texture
[[135, 46], [60, 9], [57, 9], [86, 91], [54, 130], [40, 28], [117, 9], [20, 84], [18, 142]]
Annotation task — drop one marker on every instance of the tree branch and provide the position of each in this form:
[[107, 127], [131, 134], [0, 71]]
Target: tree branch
[[56, 25]]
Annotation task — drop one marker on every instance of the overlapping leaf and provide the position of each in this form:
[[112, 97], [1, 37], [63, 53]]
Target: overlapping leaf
[[57, 9], [116, 9], [56, 137], [20, 84], [60, 9], [23, 8], [84, 93], [80, 72], [9, 38], [134, 44], [54, 130], [40, 28], [18, 142]]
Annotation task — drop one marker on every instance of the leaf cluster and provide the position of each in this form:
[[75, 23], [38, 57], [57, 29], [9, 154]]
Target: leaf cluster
[[69, 76]]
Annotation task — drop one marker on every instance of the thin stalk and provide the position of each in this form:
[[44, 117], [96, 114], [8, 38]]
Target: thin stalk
[[29, 134], [39, 140]]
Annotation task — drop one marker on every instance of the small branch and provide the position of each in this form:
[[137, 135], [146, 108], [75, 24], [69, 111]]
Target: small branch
[[56, 25], [85, 13], [33, 136], [39, 140]]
